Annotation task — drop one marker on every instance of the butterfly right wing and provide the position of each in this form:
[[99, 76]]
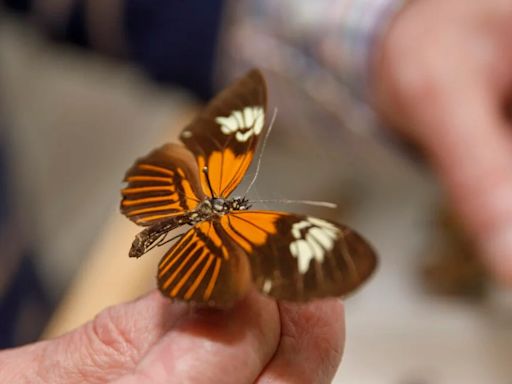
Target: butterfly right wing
[[205, 267], [161, 185], [300, 258]]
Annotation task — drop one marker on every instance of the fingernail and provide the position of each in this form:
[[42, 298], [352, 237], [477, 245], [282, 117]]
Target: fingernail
[[498, 252]]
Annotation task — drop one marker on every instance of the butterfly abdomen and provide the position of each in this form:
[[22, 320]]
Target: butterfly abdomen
[[155, 234]]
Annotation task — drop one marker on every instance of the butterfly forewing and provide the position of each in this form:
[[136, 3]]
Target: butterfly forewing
[[161, 185], [224, 136], [204, 266], [299, 258]]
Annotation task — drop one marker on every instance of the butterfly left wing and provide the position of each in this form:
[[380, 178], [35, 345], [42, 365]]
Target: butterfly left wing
[[162, 185], [299, 258], [205, 267], [224, 136]]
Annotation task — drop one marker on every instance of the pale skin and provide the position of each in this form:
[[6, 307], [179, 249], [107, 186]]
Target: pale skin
[[443, 75], [153, 341]]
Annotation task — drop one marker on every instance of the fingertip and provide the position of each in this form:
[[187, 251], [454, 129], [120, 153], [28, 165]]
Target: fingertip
[[319, 324], [312, 342], [253, 313]]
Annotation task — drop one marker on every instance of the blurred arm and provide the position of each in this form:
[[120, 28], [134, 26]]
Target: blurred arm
[[310, 41]]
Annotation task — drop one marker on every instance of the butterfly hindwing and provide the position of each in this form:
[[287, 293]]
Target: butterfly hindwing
[[205, 267], [224, 136], [163, 184], [299, 258]]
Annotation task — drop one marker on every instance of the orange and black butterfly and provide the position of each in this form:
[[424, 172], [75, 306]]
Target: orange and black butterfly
[[229, 248]]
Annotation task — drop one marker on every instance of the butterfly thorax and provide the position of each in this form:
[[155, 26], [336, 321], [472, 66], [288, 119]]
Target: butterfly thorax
[[215, 207], [209, 209]]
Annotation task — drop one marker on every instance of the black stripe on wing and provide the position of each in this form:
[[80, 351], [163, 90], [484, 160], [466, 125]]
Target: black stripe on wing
[[204, 267], [161, 185]]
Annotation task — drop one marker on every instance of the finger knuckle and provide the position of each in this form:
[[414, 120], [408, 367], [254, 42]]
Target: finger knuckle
[[110, 337]]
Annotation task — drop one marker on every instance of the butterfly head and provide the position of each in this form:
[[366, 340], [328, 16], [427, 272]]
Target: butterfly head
[[217, 206], [239, 203]]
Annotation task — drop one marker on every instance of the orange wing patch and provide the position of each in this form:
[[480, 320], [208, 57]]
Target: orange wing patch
[[225, 170], [151, 198], [204, 267], [189, 261], [250, 228], [164, 184]]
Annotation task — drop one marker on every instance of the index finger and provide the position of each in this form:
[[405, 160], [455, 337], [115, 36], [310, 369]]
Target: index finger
[[469, 142]]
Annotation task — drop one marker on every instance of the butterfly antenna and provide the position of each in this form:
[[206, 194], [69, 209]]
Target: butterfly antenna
[[325, 204], [205, 171], [263, 145]]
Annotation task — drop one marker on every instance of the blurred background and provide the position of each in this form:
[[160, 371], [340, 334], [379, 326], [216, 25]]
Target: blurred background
[[77, 107]]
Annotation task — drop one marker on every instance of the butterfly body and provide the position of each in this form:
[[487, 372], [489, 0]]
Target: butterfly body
[[216, 207], [208, 210], [229, 248]]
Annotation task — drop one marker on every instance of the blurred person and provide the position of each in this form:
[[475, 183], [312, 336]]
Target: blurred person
[[438, 72]]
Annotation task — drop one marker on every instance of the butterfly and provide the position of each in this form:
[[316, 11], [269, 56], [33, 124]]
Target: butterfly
[[230, 248]]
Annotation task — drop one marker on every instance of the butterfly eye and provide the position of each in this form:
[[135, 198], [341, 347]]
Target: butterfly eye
[[219, 205]]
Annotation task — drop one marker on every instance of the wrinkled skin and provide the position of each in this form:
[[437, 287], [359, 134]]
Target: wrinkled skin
[[153, 341]]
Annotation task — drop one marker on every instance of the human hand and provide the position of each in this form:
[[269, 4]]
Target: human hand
[[443, 76], [153, 340]]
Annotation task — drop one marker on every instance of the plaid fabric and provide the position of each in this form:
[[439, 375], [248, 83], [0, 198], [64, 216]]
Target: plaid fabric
[[362, 23], [328, 39]]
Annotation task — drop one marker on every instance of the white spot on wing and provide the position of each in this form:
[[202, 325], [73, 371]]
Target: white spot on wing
[[248, 114], [228, 124], [313, 239], [186, 134], [244, 123], [259, 122], [243, 136], [267, 286], [294, 250], [297, 227], [323, 236], [304, 255], [318, 251], [239, 118], [322, 223]]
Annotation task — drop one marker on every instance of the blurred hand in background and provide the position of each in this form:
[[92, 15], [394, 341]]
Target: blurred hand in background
[[444, 79]]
